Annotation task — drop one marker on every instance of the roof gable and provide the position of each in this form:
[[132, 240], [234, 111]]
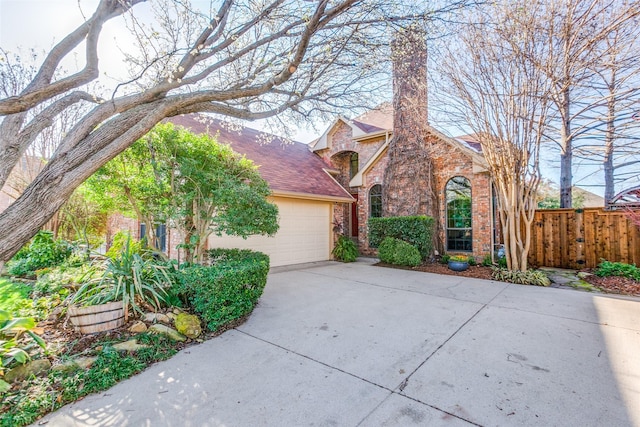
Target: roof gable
[[288, 167], [325, 140]]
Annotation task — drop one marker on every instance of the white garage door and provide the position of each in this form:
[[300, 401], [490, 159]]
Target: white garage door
[[304, 234]]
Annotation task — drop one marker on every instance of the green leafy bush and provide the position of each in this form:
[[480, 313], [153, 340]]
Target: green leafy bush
[[416, 230], [502, 262], [472, 260], [43, 251], [130, 277], [445, 259], [398, 252], [486, 261], [227, 289], [345, 250], [608, 268], [529, 277]]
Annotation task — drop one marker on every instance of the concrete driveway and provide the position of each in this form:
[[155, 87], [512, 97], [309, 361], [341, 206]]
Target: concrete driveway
[[359, 345]]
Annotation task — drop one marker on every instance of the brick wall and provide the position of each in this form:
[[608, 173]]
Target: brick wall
[[118, 222]]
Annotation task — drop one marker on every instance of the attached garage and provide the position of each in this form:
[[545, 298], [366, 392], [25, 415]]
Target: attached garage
[[301, 185], [304, 234]]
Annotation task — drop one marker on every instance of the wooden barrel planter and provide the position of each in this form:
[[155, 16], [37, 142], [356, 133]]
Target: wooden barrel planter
[[97, 318]]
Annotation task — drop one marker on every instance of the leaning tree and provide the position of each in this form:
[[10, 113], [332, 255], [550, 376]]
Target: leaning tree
[[242, 59]]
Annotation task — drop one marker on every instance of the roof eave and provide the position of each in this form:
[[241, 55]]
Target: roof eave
[[371, 135], [315, 197]]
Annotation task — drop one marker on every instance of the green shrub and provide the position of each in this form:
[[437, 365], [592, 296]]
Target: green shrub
[[398, 252], [345, 250], [445, 259], [608, 268], [472, 261], [43, 251], [486, 261], [502, 262], [227, 289], [529, 277], [416, 230]]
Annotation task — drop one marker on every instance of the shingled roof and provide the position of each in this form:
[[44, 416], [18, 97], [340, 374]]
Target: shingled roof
[[289, 167]]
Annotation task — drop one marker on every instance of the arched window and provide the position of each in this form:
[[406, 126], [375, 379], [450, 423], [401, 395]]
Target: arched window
[[459, 233], [375, 201], [353, 165]]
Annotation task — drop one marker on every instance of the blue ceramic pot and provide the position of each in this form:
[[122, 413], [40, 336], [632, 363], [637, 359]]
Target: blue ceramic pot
[[458, 265]]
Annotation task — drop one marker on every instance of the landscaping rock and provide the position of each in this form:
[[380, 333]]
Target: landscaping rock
[[131, 345], [583, 274], [22, 372], [188, 324], [165, 330], [138, 327], [156, 317], [75, 364], [85, 362]]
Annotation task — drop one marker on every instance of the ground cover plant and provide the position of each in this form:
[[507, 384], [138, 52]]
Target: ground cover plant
[[607, 269]]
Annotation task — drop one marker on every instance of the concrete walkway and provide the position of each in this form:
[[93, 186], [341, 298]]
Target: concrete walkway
[[359, 345]]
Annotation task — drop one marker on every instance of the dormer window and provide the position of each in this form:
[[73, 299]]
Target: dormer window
[[353, 165]]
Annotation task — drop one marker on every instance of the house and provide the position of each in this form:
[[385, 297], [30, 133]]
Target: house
[[357, 149], [301, 187], [334, 185]]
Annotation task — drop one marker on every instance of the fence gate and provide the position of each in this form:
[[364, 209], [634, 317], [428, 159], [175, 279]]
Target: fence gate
[[579, 238]]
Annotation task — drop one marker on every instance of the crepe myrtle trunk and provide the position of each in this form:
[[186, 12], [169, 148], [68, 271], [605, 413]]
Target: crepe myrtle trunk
[[66, 171]]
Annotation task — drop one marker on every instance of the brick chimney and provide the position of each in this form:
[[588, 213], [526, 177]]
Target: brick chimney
[[408, 187]]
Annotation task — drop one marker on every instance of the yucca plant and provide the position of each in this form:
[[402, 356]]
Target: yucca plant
[[133, 277]]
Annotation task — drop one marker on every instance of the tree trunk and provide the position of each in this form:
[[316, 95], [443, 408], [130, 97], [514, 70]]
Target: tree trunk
[[566, 153], [609, 140]]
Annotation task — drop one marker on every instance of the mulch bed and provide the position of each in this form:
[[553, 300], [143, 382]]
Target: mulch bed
[[614, 284], [611, 285], [476, 271]]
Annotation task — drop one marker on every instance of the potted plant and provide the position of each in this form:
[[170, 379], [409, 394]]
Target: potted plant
[[458, 263], [131, 279]]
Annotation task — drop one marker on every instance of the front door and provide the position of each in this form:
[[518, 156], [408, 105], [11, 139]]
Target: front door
[[354, 216]]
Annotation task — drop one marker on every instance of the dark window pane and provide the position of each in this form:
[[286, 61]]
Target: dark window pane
[[353, 165], [375, 201], [459, 215]]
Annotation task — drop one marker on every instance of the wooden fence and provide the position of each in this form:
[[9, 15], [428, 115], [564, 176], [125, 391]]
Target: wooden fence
[[579, 238]]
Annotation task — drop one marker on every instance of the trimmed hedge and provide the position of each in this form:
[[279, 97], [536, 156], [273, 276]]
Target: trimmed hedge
[[416, 230], [398, 252], [227, 289]]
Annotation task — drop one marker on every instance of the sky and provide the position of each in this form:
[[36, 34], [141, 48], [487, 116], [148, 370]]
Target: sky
[[49, 20]]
